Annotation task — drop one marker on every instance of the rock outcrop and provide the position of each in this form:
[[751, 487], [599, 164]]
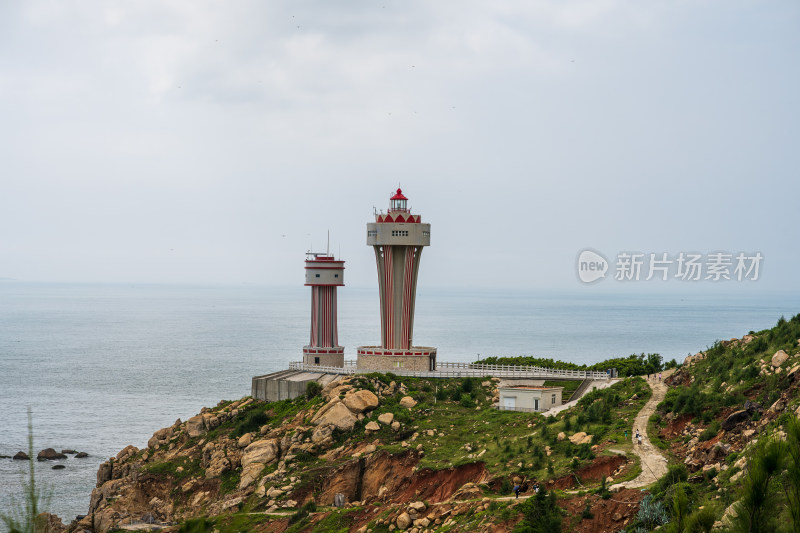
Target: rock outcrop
[[180, 460]]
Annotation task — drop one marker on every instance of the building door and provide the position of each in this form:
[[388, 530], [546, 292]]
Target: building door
[[536, 404], [509, 402]]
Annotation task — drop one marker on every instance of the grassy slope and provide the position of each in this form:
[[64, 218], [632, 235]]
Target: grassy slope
[[729, 375], [463, 424]]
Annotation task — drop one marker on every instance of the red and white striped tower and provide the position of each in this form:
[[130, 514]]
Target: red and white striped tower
[[397, 238], [323, 274]]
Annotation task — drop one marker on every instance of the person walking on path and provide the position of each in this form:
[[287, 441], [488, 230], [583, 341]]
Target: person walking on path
[[516, 490]]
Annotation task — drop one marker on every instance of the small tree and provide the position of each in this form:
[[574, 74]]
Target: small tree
[[757, 509], [313, 389], [540, 513], [791, 487]]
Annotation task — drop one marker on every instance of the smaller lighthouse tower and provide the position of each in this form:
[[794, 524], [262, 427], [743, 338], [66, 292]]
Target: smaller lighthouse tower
[[323, 274]]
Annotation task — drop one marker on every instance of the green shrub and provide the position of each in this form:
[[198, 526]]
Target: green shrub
[[196, 525], [466, 401], [710, 432], [676, 473], [540, 513], [313, 389], [251, 422], [228, 481]]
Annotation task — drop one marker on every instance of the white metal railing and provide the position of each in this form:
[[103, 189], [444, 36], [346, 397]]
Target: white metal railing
[[460, 370], [296, 365], [494, 369]]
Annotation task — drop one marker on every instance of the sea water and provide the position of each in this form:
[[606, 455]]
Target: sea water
[[104, 366]]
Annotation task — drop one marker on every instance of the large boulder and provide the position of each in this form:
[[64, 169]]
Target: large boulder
[[104, 473], [778, 406], [249, 474], [468, 491], [580, 438], [261, 451], [339, 416], [245, 440], [256, 456], [403, 521], [417, 506], [49, 454], [211, 421], [126, 452], [195, 427], [160, 437], [735, 418], [324, 409], [361, 401], [779, 358], [407, 401], [386, 418]]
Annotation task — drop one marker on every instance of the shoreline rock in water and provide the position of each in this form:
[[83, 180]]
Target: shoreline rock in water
[[49, 454]]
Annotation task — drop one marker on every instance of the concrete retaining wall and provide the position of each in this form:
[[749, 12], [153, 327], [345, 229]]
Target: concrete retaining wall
[[286, 385]]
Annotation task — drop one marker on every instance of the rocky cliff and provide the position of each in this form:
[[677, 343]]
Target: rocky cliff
[[376, 453], [372, 452]]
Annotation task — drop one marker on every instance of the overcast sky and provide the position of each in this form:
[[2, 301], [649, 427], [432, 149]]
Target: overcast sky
[[215, 142]]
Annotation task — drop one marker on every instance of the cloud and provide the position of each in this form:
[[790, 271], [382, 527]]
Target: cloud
[[131, 128]]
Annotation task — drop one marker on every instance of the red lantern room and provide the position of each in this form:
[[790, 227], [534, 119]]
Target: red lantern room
[[398, 202]]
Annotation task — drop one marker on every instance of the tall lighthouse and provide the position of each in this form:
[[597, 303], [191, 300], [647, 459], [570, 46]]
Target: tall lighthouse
[[397, 237], [323, 274]]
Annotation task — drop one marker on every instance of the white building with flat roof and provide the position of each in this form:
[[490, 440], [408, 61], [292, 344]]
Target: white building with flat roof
[[529, 398]]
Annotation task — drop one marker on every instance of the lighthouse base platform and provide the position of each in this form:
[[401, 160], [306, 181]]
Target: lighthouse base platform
[[416, 358]]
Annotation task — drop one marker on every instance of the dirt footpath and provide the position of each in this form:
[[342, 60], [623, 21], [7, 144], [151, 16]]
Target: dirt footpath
[[654, 464]]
